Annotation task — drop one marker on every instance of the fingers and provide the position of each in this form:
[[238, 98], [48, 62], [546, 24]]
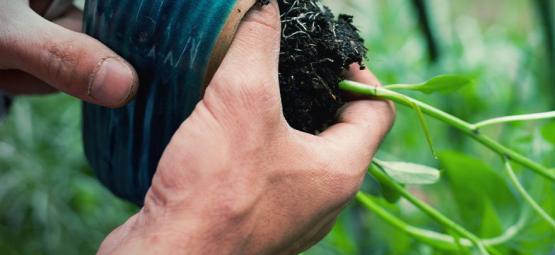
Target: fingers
[[19, 83], [72, 19], [72, 62], [57, 8], [40, 6], [362, 124]]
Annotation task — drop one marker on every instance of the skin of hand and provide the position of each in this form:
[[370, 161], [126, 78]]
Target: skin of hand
[[38, 56], [237, 179]]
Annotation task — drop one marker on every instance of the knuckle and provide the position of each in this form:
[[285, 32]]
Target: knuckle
[[245, 94], [60, 61], [10, 47], [256, 97], [262, 18]]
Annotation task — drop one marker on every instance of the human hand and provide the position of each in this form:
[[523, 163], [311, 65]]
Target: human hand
[[237, 179], [39, 56]]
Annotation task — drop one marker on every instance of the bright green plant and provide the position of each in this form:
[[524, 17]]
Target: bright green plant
[[393, 174]]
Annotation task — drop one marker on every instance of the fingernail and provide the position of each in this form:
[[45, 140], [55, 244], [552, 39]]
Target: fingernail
[[113, 83]]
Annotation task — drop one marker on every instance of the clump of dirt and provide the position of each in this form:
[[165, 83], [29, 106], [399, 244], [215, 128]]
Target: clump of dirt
[[316, 48]]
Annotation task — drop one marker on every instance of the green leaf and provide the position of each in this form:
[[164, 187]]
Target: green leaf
[[548, 132], [409, 173], [491, 225], [442, 83], [474, 184]]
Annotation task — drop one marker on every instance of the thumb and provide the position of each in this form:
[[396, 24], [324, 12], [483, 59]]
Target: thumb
[[245, 88], [74, 63], [252, 59]]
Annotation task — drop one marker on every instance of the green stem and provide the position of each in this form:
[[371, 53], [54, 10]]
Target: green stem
[[527, 197], [428, 209], [465, 127], [433, 238], [400, 86], [510, 232], [462, 249], [507, 119]]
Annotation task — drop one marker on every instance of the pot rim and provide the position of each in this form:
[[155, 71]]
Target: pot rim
[[225, 39]]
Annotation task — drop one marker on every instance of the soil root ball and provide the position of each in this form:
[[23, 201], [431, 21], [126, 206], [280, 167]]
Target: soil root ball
[[316, 48]]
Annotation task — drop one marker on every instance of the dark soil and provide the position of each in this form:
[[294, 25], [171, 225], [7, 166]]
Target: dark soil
[[316, 48]]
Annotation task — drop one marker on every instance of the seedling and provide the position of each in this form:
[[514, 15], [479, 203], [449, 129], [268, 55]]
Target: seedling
[[316, 49], [391, 179]]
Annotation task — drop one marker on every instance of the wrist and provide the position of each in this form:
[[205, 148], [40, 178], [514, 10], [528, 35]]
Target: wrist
[[142, 235], [162, 231]]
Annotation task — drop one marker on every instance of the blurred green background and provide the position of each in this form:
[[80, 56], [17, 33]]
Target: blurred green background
[[51, 203]]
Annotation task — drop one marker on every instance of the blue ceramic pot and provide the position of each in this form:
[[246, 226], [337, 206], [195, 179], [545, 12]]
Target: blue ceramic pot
[[170, 43]]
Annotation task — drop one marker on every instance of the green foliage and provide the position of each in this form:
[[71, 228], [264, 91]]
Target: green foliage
[[480, 193], [437, 240], [50, 202], [409, 173], [508, 67], [548, 132], [442, 83]]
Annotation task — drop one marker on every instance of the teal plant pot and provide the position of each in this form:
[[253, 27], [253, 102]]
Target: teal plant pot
[[172, 44]]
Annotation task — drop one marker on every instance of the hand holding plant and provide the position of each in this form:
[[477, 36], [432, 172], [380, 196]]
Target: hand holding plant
[[236, 178]]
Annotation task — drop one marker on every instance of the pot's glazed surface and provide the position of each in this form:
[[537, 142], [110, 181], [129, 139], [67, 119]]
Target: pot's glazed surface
[[170, 43]]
